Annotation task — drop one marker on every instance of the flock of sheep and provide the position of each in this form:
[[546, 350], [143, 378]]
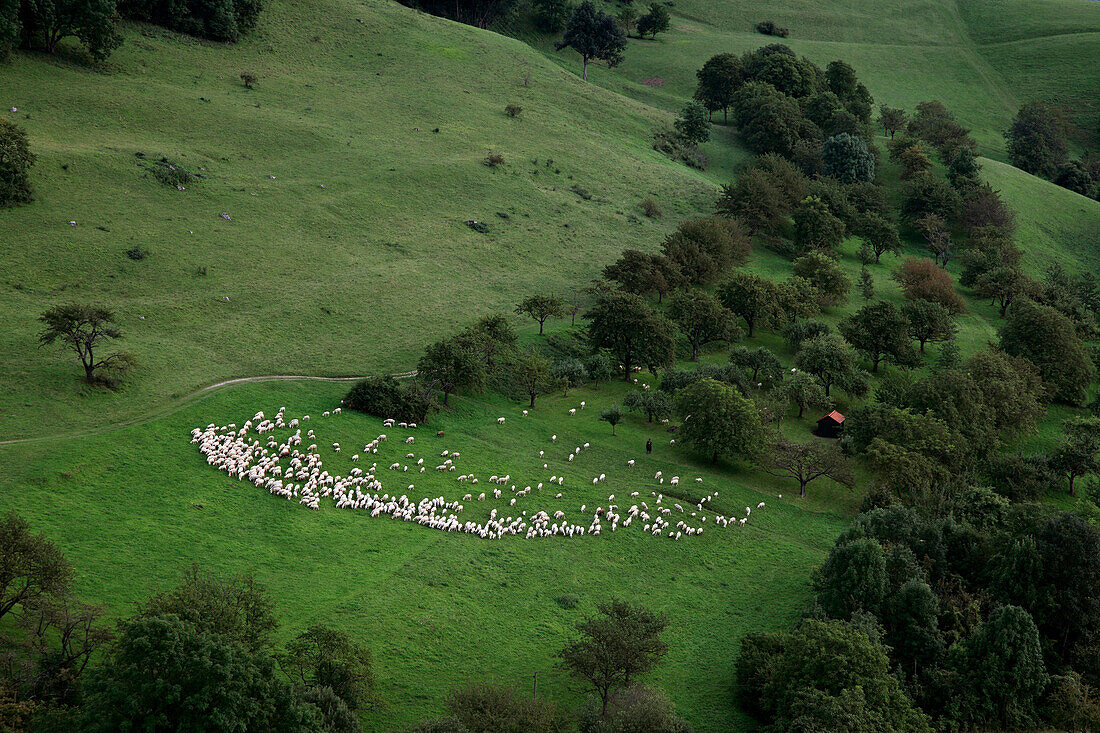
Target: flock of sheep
[[287, 470]]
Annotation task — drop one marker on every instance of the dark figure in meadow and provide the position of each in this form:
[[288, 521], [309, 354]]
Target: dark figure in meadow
[[649, 446]]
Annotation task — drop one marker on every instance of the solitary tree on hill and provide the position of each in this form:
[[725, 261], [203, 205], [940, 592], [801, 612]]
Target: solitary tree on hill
[[655, 21], [84, 328], [541, 307], [594, 35]]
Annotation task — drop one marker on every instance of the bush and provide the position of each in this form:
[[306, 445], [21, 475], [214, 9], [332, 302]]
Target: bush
[[672, 144], [248, 79], [137, 252], [494, 160], [922, 279], [567, 601], [385, 397], [847, 158], [486, 708], [513, 110], [16, 160], [551, 16], [771, 28], [171, 174], [651, 208], [218, 20]]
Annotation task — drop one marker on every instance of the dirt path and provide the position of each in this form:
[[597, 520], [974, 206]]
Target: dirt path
[[186, 401]]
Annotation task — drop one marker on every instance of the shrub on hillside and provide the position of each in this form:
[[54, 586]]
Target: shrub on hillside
[[771, 28], [513, 110], [674, 145], [172, 174], [385, 397], [16, 160], [218, 20], [494, 160], [552, 15], [651, 208]]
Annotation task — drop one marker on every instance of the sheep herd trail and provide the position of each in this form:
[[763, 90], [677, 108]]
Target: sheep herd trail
[[385, 471]]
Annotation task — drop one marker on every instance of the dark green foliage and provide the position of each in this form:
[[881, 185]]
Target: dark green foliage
[[832, 361], [926, 194], [1076, 177], [756, 299], [31, 567], [631, 331], [1070, 551], [852, 579], [1036, 141], [1001, 670], [963, 169], [928, 322], [848, 159], [778, 66], [481, 13], [933, 123], [760, 364], [10, 27], [530, 374], [718, 79], [770, 28], [642, 273], [1047, 338], [768, 120], [615, 647], [613, 416], [702, 250], [569, 373], [867, 286], [385, 397], [656, 405], [45, 23], [803, 390], [655, 21], [881, 333], [594, 35], [702, 319], [552, 15], [892, 120], [824, 676], [1078, 453], [16, 160], [84, 329], [807, 462], [842, 81], [693, 122], [335, 715], [166, 673], [326, 657], [815, 227], [1021, 478], [636, 709], [718, 421], [449, 366], [599, 368], [489, 338], [795, 332], [826, 276], [490, 708], [764, 195]]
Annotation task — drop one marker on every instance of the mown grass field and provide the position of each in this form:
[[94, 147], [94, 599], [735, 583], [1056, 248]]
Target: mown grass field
[[435, 608], [347, 252]]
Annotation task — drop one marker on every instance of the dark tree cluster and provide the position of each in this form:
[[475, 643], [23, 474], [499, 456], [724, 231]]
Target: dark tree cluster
[[42, 25], [218, 20]]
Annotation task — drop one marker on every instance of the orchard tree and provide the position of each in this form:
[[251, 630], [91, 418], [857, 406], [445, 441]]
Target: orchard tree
[[718, 79], [703, 249], [928, 322], [613, 416], [1078, 453], [807, 462], [84, 329], [718, 421], [656, 21], [927, 194], [756, 299], [599, 368], [594, 35], [847, 159], [757, 199], [866, 283], [631, 331], [767, 120], [702, 319], [450, 366], [881, 332], [816, 227], [760, 363], [1003, 285], [921, 279], [892, 119], [541, 307], [880, 234], [825, 275], [531, 375], [831, 360], [938, 236], [693, 123], [642, 273], [803, 390], [654, 404], [615, 647], [323, 656], [31, 567]]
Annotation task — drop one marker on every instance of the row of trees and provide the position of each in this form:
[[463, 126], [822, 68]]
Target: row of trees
[[43, 24], [199, 656]]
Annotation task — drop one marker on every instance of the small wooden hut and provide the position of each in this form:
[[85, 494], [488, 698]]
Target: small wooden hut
[[831, 425]]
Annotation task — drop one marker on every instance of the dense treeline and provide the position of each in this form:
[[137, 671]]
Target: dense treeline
[[1038, 142], [43, 24]]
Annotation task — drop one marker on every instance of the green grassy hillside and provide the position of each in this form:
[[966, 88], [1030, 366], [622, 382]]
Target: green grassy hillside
[[982, 58], [347, 249], [438, 609]]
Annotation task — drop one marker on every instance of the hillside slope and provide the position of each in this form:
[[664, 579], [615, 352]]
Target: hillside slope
[[346, 248], [982, 58]]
